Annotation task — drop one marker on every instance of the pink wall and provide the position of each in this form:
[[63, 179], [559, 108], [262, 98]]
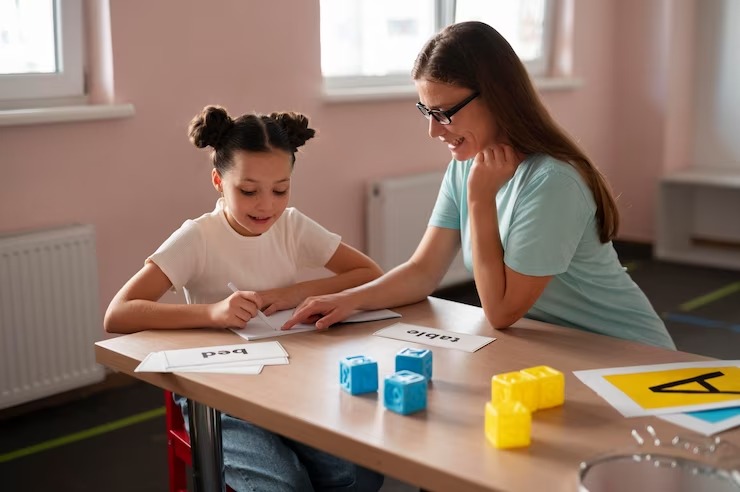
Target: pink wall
[[137, 179], [586, 112], [653, 67]]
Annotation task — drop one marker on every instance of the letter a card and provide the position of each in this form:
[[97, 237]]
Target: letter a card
[[667, 388]]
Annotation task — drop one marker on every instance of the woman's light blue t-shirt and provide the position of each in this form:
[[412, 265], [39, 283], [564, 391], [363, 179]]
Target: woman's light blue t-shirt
[[548, 226]]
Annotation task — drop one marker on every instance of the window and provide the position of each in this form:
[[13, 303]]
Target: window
[[526, 25], [373, 43], [41, 53]]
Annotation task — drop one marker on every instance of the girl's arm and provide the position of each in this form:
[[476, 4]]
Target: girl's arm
[[135, 307], [351, 268], [409, 282]]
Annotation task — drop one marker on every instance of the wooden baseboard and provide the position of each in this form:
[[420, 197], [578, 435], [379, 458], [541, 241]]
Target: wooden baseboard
[[112, 380], [711, 242]]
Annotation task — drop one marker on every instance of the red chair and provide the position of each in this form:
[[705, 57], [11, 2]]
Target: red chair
[[178, 446]]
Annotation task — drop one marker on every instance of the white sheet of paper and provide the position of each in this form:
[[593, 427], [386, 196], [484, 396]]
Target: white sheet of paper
[[363, 316], [245, 370], [434, 337], [257, 328], [707, 422], [272, 361], [201, 356], [156, 362], [234, 367], [627, 406]]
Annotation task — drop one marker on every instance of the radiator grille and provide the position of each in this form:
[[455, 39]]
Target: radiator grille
[[49, 313], [398, 210]]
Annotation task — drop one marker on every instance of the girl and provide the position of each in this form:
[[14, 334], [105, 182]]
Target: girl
[[251, 239]]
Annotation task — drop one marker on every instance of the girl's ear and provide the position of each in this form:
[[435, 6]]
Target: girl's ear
[[216, 180]]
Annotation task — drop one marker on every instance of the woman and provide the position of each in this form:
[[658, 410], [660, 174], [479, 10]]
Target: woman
[[533, 215]]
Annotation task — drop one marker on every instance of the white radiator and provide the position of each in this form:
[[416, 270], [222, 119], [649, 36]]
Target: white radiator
[[48, 313], [398, 210]]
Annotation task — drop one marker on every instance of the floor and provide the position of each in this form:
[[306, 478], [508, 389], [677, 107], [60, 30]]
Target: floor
[[113, 439]]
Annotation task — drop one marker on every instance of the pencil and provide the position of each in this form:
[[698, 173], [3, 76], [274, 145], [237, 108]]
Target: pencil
[[261, 315]]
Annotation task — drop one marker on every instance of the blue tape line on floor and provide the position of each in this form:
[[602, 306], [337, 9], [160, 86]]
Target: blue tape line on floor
[[695, 320]]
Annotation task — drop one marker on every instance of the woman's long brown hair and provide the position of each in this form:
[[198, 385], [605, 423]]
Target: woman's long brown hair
[[476, 56]]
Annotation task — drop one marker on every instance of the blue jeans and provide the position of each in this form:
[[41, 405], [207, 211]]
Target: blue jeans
[[257, 460]]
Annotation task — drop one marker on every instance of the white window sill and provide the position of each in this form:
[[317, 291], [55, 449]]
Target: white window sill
[[65, 114], [558, 83], [387, 93]]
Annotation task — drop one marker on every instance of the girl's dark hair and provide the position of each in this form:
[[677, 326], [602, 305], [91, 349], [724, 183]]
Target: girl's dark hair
[[474, 55], [213, 127]]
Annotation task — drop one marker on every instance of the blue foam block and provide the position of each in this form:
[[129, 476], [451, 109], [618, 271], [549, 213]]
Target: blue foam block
[[358, 374], [405, 392], [415, 360]]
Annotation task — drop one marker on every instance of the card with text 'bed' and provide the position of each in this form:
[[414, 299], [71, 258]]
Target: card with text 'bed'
[[220, 354]]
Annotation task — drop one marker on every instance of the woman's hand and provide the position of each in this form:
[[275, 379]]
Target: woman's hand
[[235, 310], [275, 300], [322, 310], [492, 168]]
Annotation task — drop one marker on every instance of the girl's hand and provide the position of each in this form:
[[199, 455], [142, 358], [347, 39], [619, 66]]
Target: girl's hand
[[235, 310], [274, 300], [492, 168]]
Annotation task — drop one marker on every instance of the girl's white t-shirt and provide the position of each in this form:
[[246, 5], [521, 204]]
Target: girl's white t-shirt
[[206, 253]]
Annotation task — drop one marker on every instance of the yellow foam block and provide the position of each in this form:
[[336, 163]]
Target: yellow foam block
[[551, 385], [515, 386], [508, 424]]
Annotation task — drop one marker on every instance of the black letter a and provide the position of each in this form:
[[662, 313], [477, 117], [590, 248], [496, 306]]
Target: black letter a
[[662, 388]]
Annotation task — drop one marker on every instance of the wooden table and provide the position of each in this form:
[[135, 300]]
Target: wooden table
[[444, 447]]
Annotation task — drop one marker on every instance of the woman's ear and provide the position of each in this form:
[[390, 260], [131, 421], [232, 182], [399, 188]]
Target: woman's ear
[[216, 180]]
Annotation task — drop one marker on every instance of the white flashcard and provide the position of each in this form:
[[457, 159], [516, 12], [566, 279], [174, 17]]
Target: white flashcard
[[378, 314], [156, 362], [219, 354], [258, 328], [275, 361], [435, 337], [707, 422], [244, 370]]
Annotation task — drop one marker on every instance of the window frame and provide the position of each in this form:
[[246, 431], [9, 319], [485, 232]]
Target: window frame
[[69, 81], [348, 87], [542, 67]]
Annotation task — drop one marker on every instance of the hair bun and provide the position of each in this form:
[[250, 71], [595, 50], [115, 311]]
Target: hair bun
[[210, 127], [295, 126]]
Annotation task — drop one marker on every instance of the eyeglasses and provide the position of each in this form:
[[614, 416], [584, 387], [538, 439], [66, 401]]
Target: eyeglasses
[[445, 117]]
